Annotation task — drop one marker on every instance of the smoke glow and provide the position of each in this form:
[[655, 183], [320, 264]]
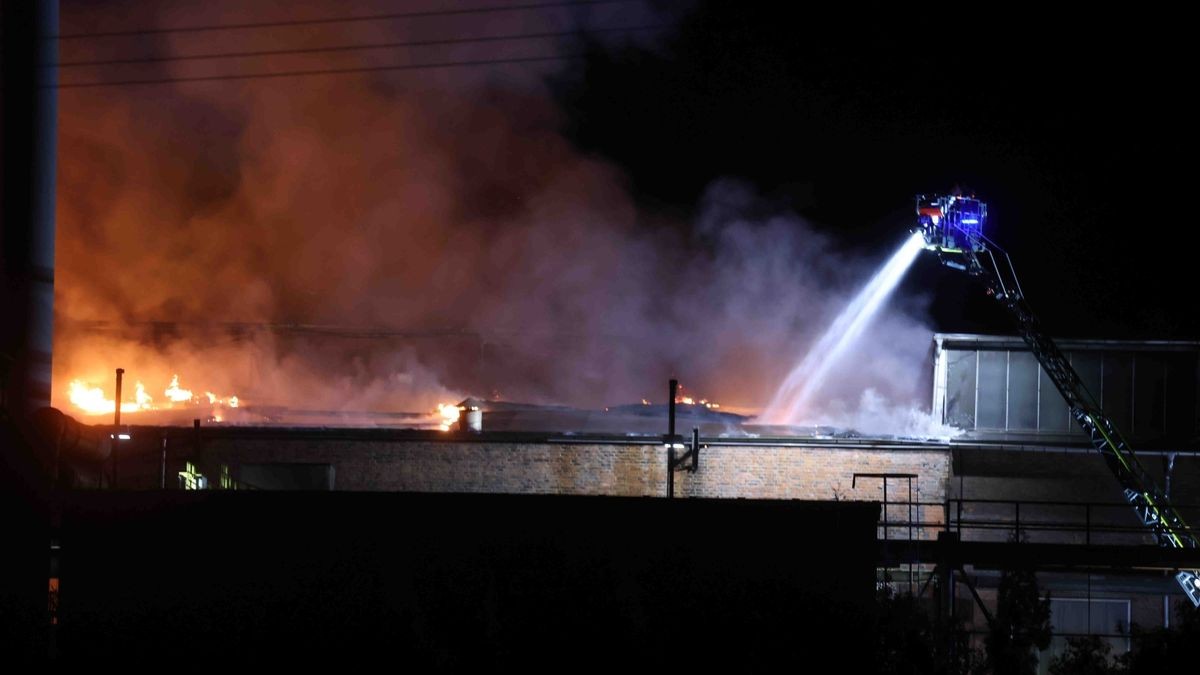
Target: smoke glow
[[385, 242]]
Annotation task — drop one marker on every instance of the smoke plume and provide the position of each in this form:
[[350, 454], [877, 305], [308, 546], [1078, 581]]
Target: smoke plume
[[372, 242]]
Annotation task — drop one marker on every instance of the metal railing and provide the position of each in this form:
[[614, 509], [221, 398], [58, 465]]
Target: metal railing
[[1021, 521]]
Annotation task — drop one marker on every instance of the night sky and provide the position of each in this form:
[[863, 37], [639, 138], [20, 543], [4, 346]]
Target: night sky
[[1076, 127]]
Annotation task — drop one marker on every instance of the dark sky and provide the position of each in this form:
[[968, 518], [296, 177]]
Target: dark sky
[[1076, 127]]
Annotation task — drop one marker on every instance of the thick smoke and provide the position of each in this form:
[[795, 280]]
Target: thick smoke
[[370, 243]]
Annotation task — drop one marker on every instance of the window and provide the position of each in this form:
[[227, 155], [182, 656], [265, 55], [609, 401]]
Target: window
[[992, 395], [960, 388], [191, 478], [1074, 617]]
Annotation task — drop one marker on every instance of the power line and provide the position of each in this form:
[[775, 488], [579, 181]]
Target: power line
[[303, 73], [333, 330], [352, 19], [347, 48]]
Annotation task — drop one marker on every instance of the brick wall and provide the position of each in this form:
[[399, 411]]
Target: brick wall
[[757, 472]]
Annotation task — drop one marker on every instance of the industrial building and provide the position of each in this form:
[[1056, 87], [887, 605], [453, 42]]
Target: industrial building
[[1024, 471], [1019, 474]]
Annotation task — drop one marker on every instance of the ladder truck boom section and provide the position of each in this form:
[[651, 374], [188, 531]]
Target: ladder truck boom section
[[952, 227]]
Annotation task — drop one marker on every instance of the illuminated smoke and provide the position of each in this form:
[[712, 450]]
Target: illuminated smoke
[[794, 398], [443, 238], [873, 415]]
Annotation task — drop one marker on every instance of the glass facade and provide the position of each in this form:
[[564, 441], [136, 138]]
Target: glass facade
[[988, 384]]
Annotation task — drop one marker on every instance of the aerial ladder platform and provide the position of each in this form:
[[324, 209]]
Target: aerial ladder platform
[[952, 226]]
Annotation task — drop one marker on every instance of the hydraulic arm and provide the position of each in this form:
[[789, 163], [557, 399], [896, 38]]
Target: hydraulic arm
[[953, 228]]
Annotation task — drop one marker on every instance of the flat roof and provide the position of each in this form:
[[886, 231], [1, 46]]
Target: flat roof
[[978, 341]]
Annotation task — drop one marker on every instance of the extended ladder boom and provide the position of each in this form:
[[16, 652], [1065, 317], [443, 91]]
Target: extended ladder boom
[[953, 228]]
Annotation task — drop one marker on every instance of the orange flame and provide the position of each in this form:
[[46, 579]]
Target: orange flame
[[91, 400], [141, 397], [449, 415], [176, 394], [689, 400], [213, 399]]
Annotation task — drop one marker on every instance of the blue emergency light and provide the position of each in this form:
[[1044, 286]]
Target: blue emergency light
[[951, 223]]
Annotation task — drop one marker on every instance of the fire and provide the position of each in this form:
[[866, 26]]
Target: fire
[[176, 394], [91, 400], [449, 415], [143, 399], [690, 400], [213, 399]]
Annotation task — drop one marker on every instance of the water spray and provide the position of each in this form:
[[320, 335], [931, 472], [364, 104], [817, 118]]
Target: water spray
[[792, 399]]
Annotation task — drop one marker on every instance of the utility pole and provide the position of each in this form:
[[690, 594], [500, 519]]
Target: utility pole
[[29, 116], [28, 128]]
